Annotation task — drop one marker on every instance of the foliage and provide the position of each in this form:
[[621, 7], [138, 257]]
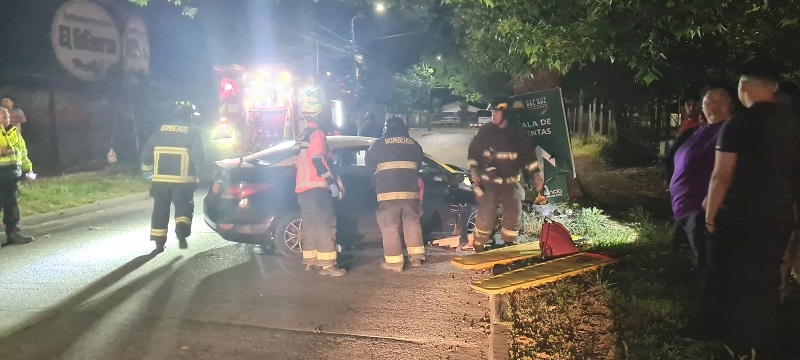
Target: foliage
[[189, 11], [632, 310], [531, 223], [595, 225], [474, 84], [411, 90], [643, 36], [629, 152], [589, 146]]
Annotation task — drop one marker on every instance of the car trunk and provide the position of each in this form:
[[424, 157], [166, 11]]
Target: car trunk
[[263, 187]]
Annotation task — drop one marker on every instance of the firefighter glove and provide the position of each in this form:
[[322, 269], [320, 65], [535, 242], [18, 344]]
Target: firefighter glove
[[335, 192]]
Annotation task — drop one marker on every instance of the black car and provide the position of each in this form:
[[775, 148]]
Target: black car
[[252, 198]]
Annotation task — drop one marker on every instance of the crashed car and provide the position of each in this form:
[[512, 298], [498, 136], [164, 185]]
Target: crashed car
[[252, 198]]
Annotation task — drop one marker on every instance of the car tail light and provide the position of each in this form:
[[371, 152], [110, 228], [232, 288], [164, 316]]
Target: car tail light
[[244, 190]]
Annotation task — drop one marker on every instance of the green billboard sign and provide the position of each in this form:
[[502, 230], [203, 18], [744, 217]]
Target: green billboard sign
[[542, 116]]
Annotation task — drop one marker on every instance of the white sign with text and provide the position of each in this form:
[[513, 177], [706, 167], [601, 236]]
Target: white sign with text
[[86, 39]]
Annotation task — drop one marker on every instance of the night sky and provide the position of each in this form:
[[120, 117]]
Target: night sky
[[262, 32]]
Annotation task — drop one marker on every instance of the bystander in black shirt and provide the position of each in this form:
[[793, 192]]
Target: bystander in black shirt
[[766, 141]]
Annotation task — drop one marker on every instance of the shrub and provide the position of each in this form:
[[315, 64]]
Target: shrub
[[626, 152]]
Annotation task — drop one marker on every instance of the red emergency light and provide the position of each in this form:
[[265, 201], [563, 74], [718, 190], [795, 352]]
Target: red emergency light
[[227, 89]]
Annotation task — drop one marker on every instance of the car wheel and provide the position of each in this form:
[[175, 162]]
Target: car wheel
[[286, 236], [471, 222], [474, 216]]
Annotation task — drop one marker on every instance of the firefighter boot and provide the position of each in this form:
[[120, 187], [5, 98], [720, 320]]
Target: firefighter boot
[[14, 238], [182, 231], [159, 246], [416, 262], [398, 267]]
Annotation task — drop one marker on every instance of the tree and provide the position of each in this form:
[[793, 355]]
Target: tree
[[189, 11], [645, 36], [411, 90]]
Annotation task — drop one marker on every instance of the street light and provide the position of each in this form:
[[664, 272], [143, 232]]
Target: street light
[[380, 8]]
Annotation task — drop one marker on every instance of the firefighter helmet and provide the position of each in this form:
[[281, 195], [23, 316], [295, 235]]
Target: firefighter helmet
[[185, 110], [499, 105]]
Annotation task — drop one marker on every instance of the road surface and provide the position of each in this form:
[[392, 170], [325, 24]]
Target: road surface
[[90, 291], [447, 145]]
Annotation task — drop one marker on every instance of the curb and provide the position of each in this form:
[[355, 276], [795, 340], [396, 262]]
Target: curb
[[41, 219]]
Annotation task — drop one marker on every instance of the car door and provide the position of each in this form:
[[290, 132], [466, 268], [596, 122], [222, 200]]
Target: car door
[[355, 212], [436, 202]]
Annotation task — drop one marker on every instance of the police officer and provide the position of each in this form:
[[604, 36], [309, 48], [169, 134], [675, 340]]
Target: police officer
[[395, 160], [172, 155], [13, 163], [316, 187], [496, 155]]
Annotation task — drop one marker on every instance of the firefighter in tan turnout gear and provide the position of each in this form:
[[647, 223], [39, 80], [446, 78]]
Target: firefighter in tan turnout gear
[[173, 154], [497, 155], [316, 187], [395, 160]]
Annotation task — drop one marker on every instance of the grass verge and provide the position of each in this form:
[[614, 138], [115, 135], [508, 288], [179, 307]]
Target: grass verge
[[68, 191], [589, 147], [630, 311]]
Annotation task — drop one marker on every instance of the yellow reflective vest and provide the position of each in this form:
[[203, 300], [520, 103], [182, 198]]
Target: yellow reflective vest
[[10, 137]]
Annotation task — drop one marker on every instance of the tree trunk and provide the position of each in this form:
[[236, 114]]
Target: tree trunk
[[622, 121], [612, 123], [589, 120], [570, 120], [600, 128], [580, 119]]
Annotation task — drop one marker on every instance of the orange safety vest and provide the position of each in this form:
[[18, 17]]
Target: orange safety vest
[[309, 147]]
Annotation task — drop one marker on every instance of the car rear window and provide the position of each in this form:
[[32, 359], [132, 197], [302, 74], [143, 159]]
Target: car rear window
[[272, 155]]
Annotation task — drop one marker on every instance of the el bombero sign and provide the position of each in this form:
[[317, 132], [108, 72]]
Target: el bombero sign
[[86, 39], [541, 114]]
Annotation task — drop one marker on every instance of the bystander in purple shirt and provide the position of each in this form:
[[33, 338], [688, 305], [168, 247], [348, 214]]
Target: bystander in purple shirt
[[694, 162]]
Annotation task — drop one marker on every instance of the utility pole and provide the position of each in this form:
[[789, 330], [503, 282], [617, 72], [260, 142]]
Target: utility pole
[[354, 50], [316, 39]]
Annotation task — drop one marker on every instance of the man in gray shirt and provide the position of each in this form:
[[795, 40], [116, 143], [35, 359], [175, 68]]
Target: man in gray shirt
[[17, 116]]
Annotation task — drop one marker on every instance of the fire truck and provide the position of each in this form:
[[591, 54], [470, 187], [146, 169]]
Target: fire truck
[[263, 106]]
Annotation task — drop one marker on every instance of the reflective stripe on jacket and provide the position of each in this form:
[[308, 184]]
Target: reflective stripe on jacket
[[19, 159], [395, 161], [173, 153], [498, 155]]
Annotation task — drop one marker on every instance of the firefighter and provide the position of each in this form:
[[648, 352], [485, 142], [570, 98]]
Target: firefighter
[[395, 160], [497, 154], [316, 187], [171, 156], [13, 163]]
